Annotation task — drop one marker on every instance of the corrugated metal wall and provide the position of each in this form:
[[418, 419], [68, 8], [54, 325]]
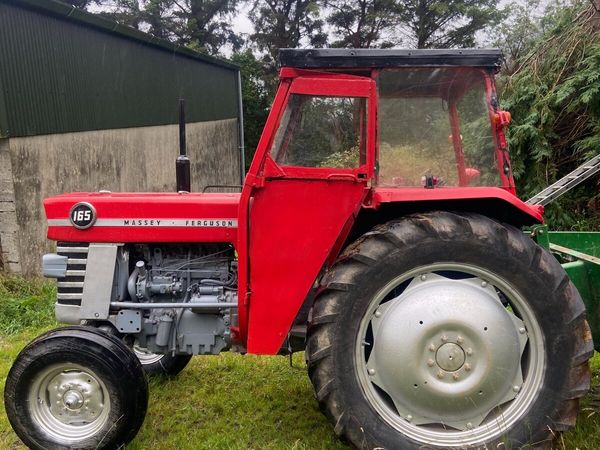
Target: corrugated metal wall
[[61, 75]]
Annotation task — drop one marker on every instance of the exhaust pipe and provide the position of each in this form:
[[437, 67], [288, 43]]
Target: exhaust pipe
[[182, 164]]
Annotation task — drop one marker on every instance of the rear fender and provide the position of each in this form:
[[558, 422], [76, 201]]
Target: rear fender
[[393, 204]]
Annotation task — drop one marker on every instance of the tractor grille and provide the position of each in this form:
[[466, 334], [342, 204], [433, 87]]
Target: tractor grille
[[70, 288]]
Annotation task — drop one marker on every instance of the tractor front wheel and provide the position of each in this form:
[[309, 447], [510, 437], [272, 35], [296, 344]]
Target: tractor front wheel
[[446, 330], [76, 387]]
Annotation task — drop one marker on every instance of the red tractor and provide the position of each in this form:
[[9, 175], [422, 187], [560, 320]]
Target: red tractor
[[378, 230]]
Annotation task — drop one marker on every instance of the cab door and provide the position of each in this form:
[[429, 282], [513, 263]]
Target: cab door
[[314, 174]]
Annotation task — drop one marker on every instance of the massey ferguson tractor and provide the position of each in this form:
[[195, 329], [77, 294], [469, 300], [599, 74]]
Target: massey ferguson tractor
[[378, 229]]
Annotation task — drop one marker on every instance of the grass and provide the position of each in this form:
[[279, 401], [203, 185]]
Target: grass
[[225, 402]]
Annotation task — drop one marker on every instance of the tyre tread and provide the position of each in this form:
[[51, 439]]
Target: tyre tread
[[411, 230]]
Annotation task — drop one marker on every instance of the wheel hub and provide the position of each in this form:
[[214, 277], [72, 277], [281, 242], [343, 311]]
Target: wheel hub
[[450, 357], [457, 354], [70, 402], [73, 399]]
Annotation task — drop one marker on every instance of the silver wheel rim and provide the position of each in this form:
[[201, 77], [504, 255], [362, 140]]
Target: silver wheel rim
[[69, 402], [450, 355], [146, 357]]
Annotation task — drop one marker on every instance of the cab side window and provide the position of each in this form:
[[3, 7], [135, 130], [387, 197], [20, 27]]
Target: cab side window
[[320, 131]]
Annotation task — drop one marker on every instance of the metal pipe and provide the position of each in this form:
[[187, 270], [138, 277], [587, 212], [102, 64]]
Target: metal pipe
[[241, 129], [199, 305], [182, 164], [182, 142]]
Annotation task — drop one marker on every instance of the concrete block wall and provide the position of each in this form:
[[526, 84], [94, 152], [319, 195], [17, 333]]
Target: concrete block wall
[[9, 239], [132, 159]]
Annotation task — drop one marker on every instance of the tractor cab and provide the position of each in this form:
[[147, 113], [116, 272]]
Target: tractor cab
[[436, 118]]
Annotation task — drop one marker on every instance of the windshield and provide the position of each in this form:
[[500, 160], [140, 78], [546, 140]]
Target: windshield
[[435, 128]]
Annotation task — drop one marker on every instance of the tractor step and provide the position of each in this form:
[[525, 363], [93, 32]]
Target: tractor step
[[566, 183]]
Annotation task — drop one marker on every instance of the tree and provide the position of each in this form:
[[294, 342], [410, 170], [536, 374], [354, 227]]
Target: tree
[[285, 24], [554, 98], [362, 23], [203, 25], [125, 12], [445, 24], [80, 4], [256, 99]]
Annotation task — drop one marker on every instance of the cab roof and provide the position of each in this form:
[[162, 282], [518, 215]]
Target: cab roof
[[329, 58]]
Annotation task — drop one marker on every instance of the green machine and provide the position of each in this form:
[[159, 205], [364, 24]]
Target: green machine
[[578, 252]]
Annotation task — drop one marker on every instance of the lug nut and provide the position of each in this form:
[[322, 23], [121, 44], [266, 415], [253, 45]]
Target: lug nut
[[444, 338], [455, 376], [522, 330], [516, 388], [371, 372], [377, 313], [409, 418], [484, 284], [469, 351], [440, 374], [431, 348], [469, 426], [430, 362], [468, 367], [423, 277], [460, 340]]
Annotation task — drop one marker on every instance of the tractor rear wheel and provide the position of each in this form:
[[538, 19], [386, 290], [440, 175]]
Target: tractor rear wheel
[[448, 330], [76, 387], [160, 364]]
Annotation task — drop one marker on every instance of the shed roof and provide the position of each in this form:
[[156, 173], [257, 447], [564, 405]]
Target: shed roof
[[65, 70], [69, 12]]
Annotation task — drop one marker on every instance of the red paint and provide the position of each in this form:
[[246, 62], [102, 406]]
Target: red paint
[[292, 221], [146, 206], [291, 233], [499, 138], [392, 195]]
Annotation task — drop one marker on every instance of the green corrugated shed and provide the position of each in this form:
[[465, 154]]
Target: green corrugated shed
[[65, 70]]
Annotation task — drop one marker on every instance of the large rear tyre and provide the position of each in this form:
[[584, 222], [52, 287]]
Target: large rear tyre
[[76, 387], [447, 330], [156, 364]]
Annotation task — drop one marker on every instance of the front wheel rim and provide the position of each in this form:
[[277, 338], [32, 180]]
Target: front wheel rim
[[429, 360], [145, 356], [69, 402]]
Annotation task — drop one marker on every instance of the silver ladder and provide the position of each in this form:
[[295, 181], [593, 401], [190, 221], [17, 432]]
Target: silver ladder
[[565, 184]]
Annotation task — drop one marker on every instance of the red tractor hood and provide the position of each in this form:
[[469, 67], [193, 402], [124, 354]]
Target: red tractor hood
[[145, 217]]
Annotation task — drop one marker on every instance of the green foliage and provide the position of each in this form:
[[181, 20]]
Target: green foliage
[[256, 99], [517, 34], [362, 23], [25, 304], [445, 24], [202, 25], [285, 24], [318, 128], [343, 159], [554, 98]]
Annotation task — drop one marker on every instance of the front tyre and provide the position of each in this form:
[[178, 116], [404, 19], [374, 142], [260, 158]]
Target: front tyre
[[447, 330], [76, 387]]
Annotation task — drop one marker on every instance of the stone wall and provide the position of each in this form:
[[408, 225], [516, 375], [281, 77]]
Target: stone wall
[[131, 159]]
